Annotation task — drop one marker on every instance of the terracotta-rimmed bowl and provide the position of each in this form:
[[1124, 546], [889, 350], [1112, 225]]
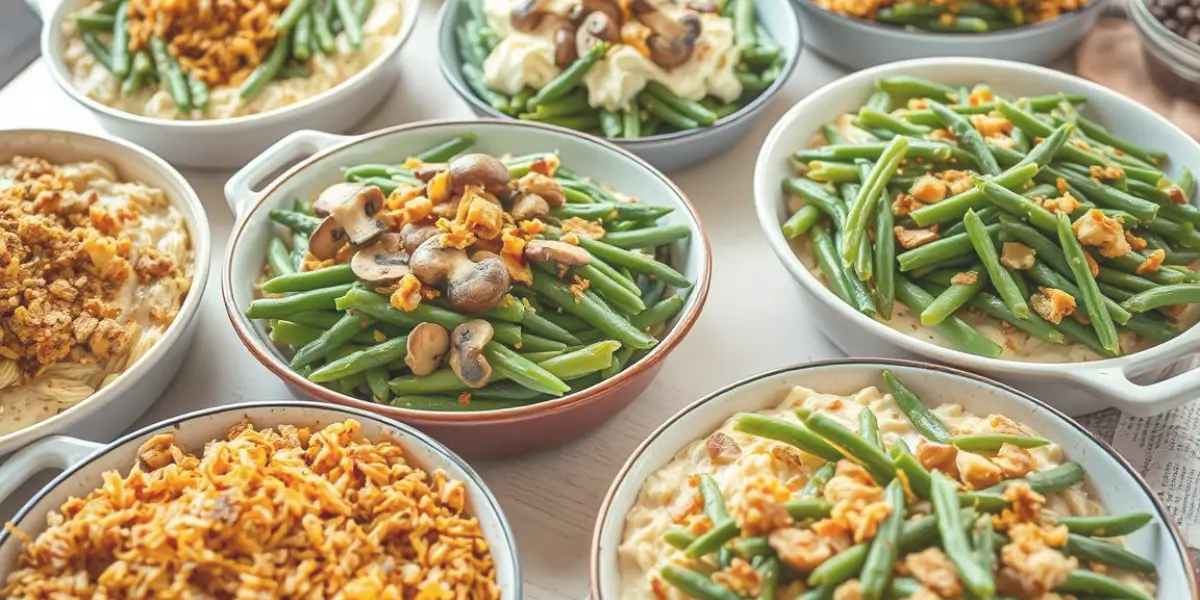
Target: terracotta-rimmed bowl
[[668, 151], [492, 433], [84, 463], [114, 407], [1111, 480], [229, 143], [1076, 388]]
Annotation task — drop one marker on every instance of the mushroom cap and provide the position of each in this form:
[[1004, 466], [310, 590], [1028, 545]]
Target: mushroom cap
[[564, 45], [611, 9], [426, 171], [327, 239], [596, 27], [334, 195], [527, 15], [413, 235], [528, 205], [474, 287], [540, 251], [427, 345], [544, 186], [483, 170], [432, 262], [466, 357], [383, 263], [673, 46]]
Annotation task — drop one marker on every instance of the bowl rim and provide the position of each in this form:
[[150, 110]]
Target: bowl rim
[[1156, 33], [181, 420], [751, 109], [767, 203], [56, 64], [683, 325], [941, 370], [874, 27], [200, 238]]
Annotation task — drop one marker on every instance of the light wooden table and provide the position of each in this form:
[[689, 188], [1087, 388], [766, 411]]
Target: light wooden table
[[752, 321]]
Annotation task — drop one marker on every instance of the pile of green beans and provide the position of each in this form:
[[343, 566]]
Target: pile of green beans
[[656, 110], [959, 522], [305, 28], [867, 181], [549, 340], [959, 16]]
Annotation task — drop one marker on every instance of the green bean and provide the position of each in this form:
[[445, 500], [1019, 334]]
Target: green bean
[[922, 149], [1034, 325], [991, 442], [521, 370], [769, 572], [820, 477], [918, 478], [589, 307], [678, 537], [957, 24], [871, 119], [1032, 126], [474, 79], [362, 360], [922, 419], [120, 60], [1128, 281], [89, 21], [99, 51], [852, 447], [631, 122], [916, 87], [362, 9], [584, 361], [1104, 195], [695, 584], [713, 539], [171, 74], [743, 24], [310, 280], [610, 123], [287, 333], [282, 307], [801, 221], [808, 508], [570, 78], [983, 540], [540, 325], [648, 237], [1016, 204], [1046, 250], [688, 108], [1107, 553], [1001, 279], [531, 342], [335, 337], [1083, 581], [877, 570], [864, 263], [268, 69], [1161, 296], [840, 280], [448, 149], [652, 105], [1098, 133], [1045, 482], [903, 587], [957, 206], [967, 136], [960, 334], [302, 36], [379, 308], [1187, 183], [885, 258], [635, 261], [322, 29], [954, 297], [868, 196], [954, 541], [934, 252], [452, 404], [278, 258], [377, 383], [1180, 234], [658, 314], [1106, 525], [868, 428], [613, 292], [818, 196], [793, 434], [880, 101], [350, 22], [1098, 313], [319, 319], [831, 172], [1049, 278]]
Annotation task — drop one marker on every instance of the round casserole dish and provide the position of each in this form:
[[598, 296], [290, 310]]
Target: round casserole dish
[[229, 143], [1111, 481], [1076, 388], [85, 462], [491, 433], [117, 405], [670, 151], [858, 43]]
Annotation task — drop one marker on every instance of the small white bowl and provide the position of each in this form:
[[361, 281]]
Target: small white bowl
[[858, 43], [117, 405], [84, 464], [1111, 480], [669, 151], [229, 143], [1076, 388]]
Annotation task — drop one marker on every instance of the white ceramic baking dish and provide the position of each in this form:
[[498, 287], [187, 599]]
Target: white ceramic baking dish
[[229, 143], [322, 157], [1077, 388], [1110, 479], [114, 407], [85, 462]]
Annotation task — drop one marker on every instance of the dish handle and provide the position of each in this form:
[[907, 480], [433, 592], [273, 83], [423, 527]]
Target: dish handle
[[53, 452], [296, 146], [1148, 400]]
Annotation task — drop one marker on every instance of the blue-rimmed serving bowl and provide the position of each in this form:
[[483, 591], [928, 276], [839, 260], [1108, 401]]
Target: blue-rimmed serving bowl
[[668, 151]]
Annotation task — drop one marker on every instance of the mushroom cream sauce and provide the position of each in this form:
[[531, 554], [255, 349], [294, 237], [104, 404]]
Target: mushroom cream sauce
[[668, 491], [157, 225], [328, 71], [528, 59]]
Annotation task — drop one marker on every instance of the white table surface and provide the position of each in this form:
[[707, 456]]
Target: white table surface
[[550, 498]]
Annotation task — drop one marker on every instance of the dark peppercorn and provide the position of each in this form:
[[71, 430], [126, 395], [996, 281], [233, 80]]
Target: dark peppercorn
[[1180, 16]]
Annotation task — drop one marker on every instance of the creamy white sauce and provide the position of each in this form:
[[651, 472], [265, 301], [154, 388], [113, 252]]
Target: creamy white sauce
[[527, 59], [327, 71], [667, 492]]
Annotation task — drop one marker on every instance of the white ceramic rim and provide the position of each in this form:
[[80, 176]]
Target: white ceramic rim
[[510, 542], [56, 64], [684, 321], [767, 197], [199, 236], [1139, 12], [1009, 35], [620, 479], [446, 63]]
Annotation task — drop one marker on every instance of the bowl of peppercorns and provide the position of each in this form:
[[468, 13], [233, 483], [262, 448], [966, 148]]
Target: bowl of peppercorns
[[1170, 31]]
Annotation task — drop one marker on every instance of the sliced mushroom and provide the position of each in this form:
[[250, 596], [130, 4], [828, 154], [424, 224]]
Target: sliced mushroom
[[528, 206], [611, 9], [482, 170], [672, 42], [528, 15], [413, 235], [427, 346], [703, 6], [596, 27], [546, 187], [466, 357], [383, 263], [564, 44], [540, 251], [471, 286], [351, 209], [426, 171]]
